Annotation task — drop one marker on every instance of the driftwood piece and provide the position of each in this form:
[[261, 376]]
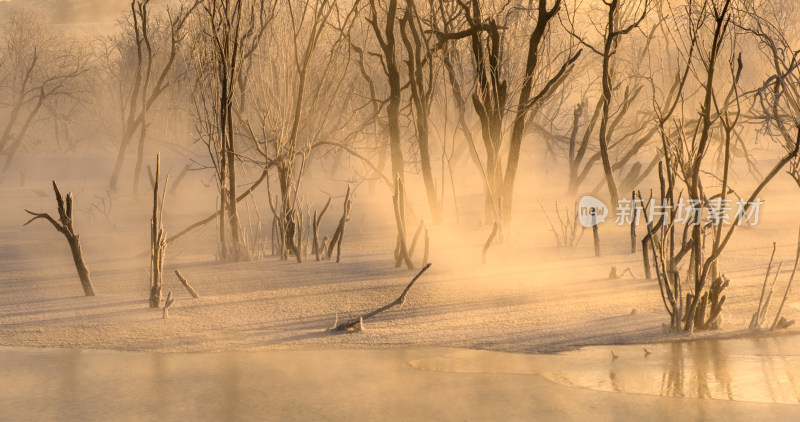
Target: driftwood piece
[[186, 284], [167, 303], [357, 324], [64, 226]]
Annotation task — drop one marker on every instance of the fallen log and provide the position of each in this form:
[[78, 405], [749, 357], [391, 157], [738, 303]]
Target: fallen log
[[357, 323], [186, 284]]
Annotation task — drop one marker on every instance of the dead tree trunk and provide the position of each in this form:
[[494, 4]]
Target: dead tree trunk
[[336, 240], [416, 237], [158, 239], [316, 248], [400, 218], [427, 249], [65, 227], [350, 325], [167, 303]]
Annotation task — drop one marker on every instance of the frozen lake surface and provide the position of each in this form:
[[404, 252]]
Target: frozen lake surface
[[754, 369], [759, 375]]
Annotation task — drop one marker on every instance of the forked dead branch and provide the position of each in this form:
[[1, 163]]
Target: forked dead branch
[[65, 227]]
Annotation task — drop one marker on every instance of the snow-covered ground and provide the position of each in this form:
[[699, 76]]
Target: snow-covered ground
[[530, 297]]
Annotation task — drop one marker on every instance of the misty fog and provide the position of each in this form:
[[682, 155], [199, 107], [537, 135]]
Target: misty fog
[[476, 185]]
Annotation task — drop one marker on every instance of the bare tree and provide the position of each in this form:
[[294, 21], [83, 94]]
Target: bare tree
[[155, 41], [491, 92], [383, 20], [298, 101], [708, 33], [419, 47], [229, 33], [36, 67], [622, 18]]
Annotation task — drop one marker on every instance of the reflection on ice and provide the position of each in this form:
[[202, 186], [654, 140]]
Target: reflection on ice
[[764, 369], [403, 384]]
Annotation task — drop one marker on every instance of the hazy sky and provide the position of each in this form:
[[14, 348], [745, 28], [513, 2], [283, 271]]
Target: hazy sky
[[75, 11]]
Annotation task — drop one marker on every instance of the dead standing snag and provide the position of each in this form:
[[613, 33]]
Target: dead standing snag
[[158, 239], [167, 303], [401, 254], [315, 247], [336, 241], [359, 322], [65, 228]]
